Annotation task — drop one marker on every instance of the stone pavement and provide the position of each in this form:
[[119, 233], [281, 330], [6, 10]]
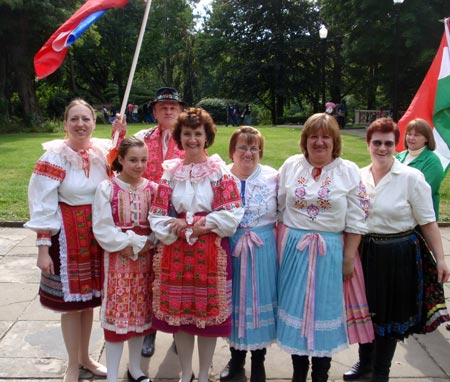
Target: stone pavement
[[32, 349]]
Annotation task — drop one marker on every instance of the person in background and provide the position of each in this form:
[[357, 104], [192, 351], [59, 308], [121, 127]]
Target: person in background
[[60, 193], [420, 145], [246, 115], [166, 106], [341, 112], [254, 256], [402, 282], [320, 198], [121, 227], [197, 204]]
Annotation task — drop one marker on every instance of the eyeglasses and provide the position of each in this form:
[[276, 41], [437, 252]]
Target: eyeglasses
[[388, 144], [244, 149]]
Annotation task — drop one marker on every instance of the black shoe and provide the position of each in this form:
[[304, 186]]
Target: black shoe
[[357, 371], [142, 378], [230, 371], [148, 347]]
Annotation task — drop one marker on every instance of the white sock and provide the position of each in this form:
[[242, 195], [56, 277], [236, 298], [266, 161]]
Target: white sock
[[134, 360], [185, 349], [113, 355], [206, 347]]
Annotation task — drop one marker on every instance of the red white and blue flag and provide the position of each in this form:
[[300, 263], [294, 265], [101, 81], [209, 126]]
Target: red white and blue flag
[[432, 101], [52, 54]]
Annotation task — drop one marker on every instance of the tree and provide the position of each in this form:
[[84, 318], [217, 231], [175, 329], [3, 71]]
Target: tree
[[18, 21], [258, 48]]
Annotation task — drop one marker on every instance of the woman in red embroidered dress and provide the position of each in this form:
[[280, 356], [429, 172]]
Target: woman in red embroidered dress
[[196, 205], [61, 192]]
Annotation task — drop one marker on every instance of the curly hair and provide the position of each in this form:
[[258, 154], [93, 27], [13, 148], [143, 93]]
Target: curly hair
[[193, 118]]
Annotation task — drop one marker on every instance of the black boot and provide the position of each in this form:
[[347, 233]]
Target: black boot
[[364, 364], [235, 365], [258, 372], [148, 347], [320, 367], [300, 364], [384, 352]]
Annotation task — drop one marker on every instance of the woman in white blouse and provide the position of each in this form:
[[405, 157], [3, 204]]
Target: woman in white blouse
[[197, 204], [60, 193], [393, 257], [320, 198]]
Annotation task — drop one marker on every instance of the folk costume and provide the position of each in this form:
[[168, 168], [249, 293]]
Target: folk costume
[[401, 284], [430, 165], [161, 146], [255, 263], [316, 211], [192, 287], [120, 221], [60, 193]]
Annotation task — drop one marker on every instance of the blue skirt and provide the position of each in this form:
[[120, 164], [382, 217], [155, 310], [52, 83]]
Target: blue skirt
[[254, 288], [326, 315]]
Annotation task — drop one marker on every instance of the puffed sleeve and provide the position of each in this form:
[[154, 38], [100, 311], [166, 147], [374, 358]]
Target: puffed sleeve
[[43, 199], [227, 210], [159, 214], [110, 237], [357, 202]]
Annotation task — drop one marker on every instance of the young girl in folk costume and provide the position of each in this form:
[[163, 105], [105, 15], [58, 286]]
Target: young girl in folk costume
[[121, 227]]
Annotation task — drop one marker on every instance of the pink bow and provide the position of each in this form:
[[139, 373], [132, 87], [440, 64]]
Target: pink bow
[[247, 240], [317, 246]]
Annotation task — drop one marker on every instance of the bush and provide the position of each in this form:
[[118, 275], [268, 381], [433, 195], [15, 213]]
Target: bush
[[216, 107]]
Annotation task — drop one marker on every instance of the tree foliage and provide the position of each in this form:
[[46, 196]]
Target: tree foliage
[[266, 52]]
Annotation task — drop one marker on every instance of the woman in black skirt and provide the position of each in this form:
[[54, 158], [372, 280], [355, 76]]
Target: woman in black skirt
[[403, 280]]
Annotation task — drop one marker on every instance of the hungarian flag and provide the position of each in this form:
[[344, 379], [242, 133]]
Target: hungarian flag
[[52, 54], [432, 101]]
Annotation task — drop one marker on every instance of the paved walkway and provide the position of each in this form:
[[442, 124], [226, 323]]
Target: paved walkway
[[32, 349]]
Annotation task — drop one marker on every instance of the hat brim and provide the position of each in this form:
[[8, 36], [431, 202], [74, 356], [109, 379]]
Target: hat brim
[[166, 100]]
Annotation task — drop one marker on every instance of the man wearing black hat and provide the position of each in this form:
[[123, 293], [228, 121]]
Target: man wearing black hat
[[166, 105]]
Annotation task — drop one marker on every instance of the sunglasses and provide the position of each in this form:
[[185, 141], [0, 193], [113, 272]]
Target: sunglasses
[[388, 144]]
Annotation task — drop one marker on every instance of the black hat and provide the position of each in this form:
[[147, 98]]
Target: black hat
[[167, 95]]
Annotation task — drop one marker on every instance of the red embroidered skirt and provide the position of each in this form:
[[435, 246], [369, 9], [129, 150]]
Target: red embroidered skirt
[[127, 295], [76, 284], [192, 287]]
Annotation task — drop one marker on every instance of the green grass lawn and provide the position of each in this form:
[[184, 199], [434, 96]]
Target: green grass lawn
[[19, 153]]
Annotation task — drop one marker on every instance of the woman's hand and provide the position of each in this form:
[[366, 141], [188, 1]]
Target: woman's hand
[[176, 226], [44, 261], [348, 267], [443, 271]]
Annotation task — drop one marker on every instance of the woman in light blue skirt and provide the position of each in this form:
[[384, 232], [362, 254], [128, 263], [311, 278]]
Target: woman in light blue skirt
[[254, 256], [320, 198]]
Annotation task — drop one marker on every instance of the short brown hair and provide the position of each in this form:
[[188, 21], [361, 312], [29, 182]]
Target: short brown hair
[[421, 127], [383, 125], [194, 117], [252, 135], [328, 125], [79, 101]]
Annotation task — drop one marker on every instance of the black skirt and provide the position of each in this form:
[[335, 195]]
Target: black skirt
[[403, 294]]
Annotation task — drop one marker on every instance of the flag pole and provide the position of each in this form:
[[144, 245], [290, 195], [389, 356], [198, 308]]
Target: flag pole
[[133, 67]]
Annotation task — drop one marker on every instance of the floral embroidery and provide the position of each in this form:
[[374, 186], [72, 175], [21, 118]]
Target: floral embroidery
[[161, 202], [226, 194], [322, 203], [365, 200]]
